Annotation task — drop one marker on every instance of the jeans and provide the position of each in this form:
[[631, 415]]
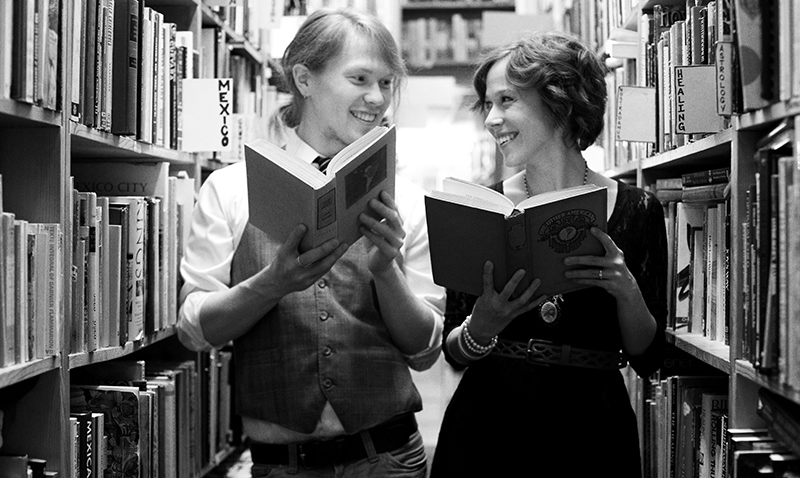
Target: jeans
[[408, 461]]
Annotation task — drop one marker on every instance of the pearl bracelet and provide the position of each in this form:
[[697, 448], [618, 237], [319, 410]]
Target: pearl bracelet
[[474, 348]]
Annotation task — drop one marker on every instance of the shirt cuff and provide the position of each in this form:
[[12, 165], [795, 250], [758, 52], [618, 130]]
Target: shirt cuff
[[425, 359], [190, 332]]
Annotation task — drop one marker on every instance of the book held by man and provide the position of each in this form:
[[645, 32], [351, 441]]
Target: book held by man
[[469, 224], [284, 191]]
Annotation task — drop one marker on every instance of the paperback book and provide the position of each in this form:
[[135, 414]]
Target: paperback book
[[285, 191], [469, 224]]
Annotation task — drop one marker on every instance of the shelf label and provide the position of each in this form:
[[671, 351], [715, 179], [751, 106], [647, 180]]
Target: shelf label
[[207, 110]]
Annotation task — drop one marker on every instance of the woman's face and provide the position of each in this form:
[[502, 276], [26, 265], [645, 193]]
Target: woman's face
[[348, 98], [518, 119]]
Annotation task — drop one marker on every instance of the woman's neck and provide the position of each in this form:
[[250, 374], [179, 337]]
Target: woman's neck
[[560, 173]]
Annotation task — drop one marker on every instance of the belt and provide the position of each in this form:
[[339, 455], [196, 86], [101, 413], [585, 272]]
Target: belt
[[542, 352], [387, 436]]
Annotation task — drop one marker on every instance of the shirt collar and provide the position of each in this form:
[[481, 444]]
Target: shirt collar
[[299, 148]]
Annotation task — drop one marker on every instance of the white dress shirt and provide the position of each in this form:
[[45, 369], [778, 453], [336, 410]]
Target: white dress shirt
[[218, 222]]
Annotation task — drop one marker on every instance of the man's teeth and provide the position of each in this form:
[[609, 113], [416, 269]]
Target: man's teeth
[[364, 116]]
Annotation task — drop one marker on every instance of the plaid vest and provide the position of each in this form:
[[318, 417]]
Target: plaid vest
[[326, 343]]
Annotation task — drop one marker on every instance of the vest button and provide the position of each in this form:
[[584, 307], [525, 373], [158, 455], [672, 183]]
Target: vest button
[[327, 383], [326, 351], [324, 316], [322, 284]]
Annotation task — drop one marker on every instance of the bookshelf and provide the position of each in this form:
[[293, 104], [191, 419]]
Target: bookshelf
[[41, 145], [444, 37], [736, 141]]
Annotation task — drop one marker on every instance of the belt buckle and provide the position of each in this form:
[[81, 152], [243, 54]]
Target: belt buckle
[[539, 355]]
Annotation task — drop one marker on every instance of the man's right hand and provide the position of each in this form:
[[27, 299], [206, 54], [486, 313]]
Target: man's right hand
[[298, 271]]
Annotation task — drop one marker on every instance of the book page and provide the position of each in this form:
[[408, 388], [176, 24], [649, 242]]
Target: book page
[[298, 168], [464, 192], [353, 149], [557, 195]]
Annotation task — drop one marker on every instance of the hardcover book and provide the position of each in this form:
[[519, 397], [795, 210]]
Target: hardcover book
[[123, 424], [284, 191], [469, 224]]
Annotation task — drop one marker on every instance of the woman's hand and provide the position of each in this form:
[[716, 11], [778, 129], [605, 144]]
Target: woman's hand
[[608, 271], [493, 311], [297, 271], [386, 235]]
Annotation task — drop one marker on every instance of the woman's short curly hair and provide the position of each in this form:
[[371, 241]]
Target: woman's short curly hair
[[568, 76]]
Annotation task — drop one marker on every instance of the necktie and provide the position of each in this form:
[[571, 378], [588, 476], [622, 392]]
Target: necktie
[[321, 163]]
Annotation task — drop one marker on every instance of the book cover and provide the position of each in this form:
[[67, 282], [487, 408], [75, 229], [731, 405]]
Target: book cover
[[53, 287], [7, 289], [706, 176], [114, 285], [123, 424], [712, 404], [689, 218], [631, 125], [749, 30], [284, 191], [124, 112], [21, 291], [166, 431], [136, 254], [469, 224], [99, 445], [118, 216], [694, 99], [85, 442]]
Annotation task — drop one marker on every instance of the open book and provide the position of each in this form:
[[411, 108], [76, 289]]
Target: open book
[[469, 224], [284, 191]]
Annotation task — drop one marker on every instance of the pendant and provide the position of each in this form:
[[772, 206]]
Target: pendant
[[550, 310]]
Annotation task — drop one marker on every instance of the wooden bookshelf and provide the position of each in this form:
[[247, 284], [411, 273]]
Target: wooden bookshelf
[[39, 148], [733, 145]]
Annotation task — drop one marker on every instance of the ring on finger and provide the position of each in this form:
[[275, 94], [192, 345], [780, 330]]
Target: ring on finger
[[599, 274]]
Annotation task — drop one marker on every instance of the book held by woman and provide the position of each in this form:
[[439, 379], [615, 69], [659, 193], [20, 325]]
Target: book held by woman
[[469, 224]]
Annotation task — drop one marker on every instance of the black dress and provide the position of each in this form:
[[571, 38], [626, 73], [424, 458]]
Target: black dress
[[509, 418]]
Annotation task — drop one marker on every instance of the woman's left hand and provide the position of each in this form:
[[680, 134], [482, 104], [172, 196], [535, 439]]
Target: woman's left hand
[[607, 271], [386, 235]]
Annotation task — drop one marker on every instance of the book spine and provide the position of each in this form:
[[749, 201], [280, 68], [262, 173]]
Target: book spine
[[8, 294], [712, 176], [517, 255]]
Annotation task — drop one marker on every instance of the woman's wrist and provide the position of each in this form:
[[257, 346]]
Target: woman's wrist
[[470, 347]]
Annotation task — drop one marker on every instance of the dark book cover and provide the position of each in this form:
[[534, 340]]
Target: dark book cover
[[124, 111], [537, 238], [123, 424]]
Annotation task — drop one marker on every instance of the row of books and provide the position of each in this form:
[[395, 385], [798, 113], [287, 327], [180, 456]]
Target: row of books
[[31, 282], [148, 418], [431, 40], [127, 63], [30, 60], [701, 62], [129, 222], [685, 428], [697, 217], [770, 251]]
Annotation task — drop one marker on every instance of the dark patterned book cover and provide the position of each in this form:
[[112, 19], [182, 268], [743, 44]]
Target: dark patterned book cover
[[121, 408]]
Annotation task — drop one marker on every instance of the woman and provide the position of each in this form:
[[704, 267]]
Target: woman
[[323, 339], [515, 412]]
